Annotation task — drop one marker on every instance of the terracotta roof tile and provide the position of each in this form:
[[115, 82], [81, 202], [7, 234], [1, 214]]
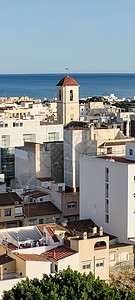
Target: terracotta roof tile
[[67, 81], [31, 257], [59, 253], [40, 209]]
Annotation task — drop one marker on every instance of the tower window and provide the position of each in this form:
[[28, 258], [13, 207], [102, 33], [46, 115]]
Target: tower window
[[71, 95], [59, 95]]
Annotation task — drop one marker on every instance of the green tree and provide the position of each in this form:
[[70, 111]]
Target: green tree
[[67, 285]]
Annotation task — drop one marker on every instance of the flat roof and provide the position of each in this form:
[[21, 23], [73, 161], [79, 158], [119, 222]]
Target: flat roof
[[120, 159]]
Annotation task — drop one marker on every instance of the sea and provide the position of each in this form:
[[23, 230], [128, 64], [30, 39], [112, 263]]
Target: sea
[[44, 85]]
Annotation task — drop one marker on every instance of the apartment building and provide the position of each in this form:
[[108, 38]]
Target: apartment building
[[38, 160], [112, 203], [11, 210], [66, 200]]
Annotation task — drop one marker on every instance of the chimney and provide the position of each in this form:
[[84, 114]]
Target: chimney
[[85, 235], [54, 253], [94, 229], [100, 230]]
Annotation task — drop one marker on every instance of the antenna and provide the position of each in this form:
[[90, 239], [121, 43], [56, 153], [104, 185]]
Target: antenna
[[67, 69]]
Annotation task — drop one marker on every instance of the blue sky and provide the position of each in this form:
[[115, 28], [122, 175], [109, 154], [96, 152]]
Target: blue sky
[[43, 36]]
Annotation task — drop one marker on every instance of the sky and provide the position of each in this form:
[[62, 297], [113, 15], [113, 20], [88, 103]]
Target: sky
[[44, 36]]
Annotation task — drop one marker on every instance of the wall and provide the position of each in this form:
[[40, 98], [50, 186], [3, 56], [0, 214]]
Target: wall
[[87, 254], [76, 142], [72, 261], [46, 219], [116, 265], [67, 198], [39, 132], [39, 267]]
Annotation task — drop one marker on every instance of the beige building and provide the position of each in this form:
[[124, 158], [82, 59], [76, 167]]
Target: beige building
[[40, 213], [67, 100], [11, 210], [93, 254], [121, 257]]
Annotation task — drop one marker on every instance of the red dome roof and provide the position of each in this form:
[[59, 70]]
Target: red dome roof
[[67, 81]]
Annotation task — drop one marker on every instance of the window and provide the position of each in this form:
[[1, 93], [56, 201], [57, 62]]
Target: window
[[18, 211], [106, 218], [7, 212], [6, 125], [109, 150], [21, 124], [53, 136], [71, 205], [130, 151], [41, 199], [41, 221], [32, 222], [106, 190], [86, 265], [112, 257], [100, 263], [59, 188], [106, 206], [71, 95], [123, 256], [59, 95], [106, 174], [134, 178], [13, 124], [134, 194]]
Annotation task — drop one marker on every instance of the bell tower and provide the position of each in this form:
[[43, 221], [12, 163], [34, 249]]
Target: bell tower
[[67, 100]]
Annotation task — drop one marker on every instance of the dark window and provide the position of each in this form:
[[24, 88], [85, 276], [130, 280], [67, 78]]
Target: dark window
[[7, 212], [130, 151], [59, 95], [71, 95], [56, 268]]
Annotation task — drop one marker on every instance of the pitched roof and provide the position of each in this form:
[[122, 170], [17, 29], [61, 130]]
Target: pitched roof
[[9, 199], [120, 135], [4, 259], [40, 209], [59, 253], [67, 81], [31, 257], [34, 194]]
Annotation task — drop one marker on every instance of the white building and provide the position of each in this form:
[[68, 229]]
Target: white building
[[76, 141], [13, 133], [107, 192]]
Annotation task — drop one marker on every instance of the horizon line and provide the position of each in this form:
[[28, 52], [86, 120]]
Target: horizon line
[[66, 74]]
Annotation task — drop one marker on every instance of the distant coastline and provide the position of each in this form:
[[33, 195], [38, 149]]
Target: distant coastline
[[44, 85]]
